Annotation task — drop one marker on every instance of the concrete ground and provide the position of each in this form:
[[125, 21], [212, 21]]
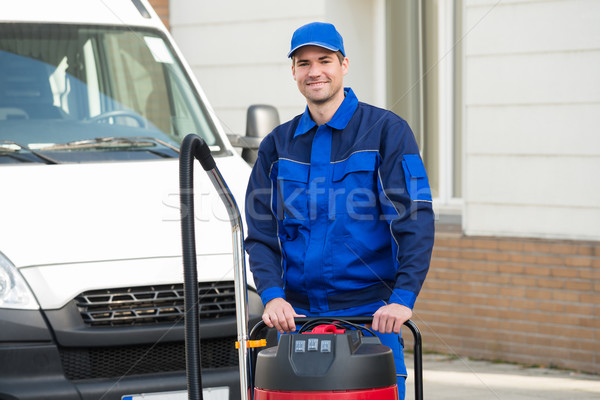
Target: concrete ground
[[447, 378]]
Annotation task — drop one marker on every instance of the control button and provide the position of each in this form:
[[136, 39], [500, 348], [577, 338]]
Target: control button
[[300, 346], [313, 344], [326, 346]]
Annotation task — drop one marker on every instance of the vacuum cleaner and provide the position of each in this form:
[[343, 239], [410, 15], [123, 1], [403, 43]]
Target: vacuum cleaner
[[329, 359]]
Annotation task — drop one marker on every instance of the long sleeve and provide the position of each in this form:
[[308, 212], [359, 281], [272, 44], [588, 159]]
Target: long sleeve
[[407, 205], [262, 242]]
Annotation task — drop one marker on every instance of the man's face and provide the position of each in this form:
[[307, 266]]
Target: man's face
[[319, 74]]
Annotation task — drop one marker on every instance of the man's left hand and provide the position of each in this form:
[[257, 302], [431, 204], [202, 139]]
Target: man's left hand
[[390, 318]]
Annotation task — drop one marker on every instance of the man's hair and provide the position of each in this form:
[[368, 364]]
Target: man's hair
[[338, 53]]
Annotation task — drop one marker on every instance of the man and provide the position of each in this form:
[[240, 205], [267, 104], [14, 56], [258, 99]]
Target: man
[[339, 212]]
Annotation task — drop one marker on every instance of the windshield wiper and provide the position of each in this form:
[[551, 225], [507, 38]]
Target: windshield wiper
[[47, 160], [111, 142]]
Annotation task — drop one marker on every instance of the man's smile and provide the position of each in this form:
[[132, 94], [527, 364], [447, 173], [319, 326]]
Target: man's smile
[[316, 84]]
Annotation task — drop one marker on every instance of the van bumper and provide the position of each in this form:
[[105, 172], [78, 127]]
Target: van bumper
[[33, 371]]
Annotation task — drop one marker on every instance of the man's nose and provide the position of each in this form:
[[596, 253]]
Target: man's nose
[[314, 70]]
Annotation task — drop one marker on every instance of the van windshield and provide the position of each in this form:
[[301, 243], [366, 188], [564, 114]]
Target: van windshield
[[78, 93]]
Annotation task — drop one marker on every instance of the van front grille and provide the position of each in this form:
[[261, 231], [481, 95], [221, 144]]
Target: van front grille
[[153, 304]]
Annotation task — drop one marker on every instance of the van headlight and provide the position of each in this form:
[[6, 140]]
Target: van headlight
[[14, 291]]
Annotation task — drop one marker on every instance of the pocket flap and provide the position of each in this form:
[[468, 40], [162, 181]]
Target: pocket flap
[[293, 171], [415, 178], [415, 166], [360, 161]]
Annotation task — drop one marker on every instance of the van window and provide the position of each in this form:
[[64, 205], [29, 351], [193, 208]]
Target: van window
[[81, 93]]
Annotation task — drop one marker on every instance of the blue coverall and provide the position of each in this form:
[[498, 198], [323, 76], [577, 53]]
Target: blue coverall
[[340, 218]]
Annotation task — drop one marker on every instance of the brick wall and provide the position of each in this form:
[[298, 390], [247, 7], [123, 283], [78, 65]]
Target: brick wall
[[162, 9], [519, 300]]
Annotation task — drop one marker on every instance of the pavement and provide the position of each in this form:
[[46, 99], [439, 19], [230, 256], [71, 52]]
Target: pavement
[[446, 378]]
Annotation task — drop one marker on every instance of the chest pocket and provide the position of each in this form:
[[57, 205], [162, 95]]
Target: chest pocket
[[355, 183], [292, 184]]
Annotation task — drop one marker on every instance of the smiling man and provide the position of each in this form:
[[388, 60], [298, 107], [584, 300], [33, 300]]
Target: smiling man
[[319, 74], [338, 207]]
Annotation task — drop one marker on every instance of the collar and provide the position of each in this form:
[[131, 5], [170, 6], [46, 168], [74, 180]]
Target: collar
[[339, 120]]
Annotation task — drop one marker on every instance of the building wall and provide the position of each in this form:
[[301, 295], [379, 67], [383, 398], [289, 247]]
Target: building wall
[[238, 51], [520, 279], [521, 282], [531, 301], [530, 84], [532, 94], [162, 9]]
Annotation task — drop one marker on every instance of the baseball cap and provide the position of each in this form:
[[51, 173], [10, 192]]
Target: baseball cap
[[317, 34]]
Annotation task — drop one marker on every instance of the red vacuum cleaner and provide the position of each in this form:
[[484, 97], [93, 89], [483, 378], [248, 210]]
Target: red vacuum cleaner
[[330, 359], [327, 359]]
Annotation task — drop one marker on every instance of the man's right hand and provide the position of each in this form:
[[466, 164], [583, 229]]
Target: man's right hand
[[280, 314]]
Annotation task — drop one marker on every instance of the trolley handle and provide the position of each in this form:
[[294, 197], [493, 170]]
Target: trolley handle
[[417, 347]]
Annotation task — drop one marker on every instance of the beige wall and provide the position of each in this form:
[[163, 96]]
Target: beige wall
[[238, 51], [532, 93], [529, 82]]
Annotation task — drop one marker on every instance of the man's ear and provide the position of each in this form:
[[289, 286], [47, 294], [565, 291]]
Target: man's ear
[[293, 72], [345, 65]]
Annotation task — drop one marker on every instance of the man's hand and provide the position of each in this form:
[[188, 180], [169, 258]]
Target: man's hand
[[390, 318], [280, 315]]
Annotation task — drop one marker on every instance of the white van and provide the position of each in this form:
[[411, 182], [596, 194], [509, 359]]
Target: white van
[[94, 101]]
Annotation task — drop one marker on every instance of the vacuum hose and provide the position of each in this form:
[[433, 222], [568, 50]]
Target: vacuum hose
[[192, 147]]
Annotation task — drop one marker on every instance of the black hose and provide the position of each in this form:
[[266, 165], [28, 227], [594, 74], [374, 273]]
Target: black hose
[[192, 147]]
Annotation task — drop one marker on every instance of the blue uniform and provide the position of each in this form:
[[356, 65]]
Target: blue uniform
[[340, 215]]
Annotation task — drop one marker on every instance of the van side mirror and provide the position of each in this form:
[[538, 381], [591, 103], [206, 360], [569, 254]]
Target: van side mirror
[[261, 119]]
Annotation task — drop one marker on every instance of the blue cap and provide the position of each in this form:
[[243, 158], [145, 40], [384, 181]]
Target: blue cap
[[317, 34]]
